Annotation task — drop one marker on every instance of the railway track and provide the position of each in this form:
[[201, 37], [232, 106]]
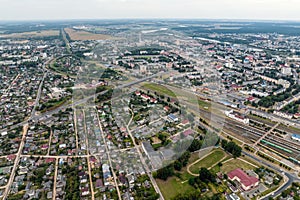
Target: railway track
[[284, 148], [250, 135]]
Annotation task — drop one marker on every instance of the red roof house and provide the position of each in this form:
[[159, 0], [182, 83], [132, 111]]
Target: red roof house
[[247, 182]]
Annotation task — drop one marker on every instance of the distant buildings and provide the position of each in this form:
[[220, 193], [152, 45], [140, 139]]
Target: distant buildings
[[286, 71], [296, 137], [106, 174], [237, 116], [173, 118], [282, 114]]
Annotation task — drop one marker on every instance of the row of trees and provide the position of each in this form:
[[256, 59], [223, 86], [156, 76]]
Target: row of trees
[[196, 145], [168, 171], [292, 108], [232, 148], [271, 100], [200, 182], [205, 176]]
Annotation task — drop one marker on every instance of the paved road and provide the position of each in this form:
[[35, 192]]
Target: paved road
[[55, 179], [148, 171], [11, 84], [16, 164], [64, 35], [88, 154], [291, 177], [38, 96]]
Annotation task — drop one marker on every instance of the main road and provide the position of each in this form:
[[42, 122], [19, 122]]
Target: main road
[[16, 163], [148, 171]]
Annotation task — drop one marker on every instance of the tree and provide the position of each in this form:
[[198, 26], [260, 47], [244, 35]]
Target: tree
[[177, 165], [188, 196], [206, 176], [192, 181], [195, 146], [184, 159], [165, 172], [225, 176], [224, 143], [232, 148]]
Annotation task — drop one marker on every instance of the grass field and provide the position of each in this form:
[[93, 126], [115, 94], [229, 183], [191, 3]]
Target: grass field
[[45, 33], [159, 89], [204, 104], [194, 157], [179, 93], [235, 163], [177, 185], [84, 35], [173, 187], [215, 157]]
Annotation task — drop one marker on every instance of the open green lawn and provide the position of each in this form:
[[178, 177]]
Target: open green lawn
[[159, 89], [194, 157], [179, 184], [174, 185], [215, 157], [177, 93], [235, 163], [215, 169], [204, 104], [201, 103]]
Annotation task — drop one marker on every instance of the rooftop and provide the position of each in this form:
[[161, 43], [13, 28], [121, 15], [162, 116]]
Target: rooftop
[[244, 178]]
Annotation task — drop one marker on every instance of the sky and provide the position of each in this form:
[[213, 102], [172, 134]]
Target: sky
[[122, 9]]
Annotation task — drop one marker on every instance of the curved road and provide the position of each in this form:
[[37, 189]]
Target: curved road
[[291, 177]]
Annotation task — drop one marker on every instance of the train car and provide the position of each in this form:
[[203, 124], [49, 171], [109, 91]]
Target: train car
[[276, 146]]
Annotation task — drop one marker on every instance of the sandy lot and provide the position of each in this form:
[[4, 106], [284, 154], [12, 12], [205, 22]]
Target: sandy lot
[[32, 34], [84, 35]]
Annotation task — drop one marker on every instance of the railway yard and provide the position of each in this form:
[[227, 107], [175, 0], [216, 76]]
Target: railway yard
[[262, 136]]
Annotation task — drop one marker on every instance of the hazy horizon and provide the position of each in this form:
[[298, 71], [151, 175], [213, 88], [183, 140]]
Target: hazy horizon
[[152, 19], [52, 10]]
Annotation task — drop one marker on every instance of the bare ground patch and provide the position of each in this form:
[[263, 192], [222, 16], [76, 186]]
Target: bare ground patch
[[84, 35]]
